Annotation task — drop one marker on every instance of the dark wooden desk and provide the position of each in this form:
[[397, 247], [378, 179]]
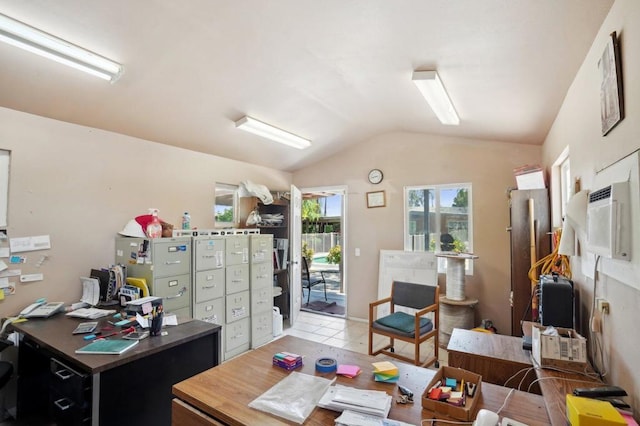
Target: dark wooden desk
[[131, 388], [221, 395], [497, 358], [555, 385]]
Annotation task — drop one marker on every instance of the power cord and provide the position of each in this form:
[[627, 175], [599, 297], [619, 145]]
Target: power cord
[[553, 262]]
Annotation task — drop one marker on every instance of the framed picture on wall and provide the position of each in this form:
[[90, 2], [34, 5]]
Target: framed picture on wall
[[611, 99], [375, 199]]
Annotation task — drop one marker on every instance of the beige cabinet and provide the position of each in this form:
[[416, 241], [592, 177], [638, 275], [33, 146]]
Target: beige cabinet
[[165, 264]]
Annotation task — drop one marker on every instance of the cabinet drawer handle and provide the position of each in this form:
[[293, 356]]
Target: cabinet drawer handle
[[64, 374], [262, 276], [237, 281], [206, 287], [180, 293], [174, 262], [212, 318], [63, 404]]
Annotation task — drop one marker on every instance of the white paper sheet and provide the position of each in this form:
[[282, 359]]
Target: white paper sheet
[[90, 290], [40, 242]]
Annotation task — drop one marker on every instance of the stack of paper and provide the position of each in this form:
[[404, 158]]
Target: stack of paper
[[385, 371], [340, 398], [351, 418], [90, 313], [347, 370]]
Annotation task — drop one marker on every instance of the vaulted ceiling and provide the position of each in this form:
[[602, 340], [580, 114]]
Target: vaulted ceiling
[[337, 72]]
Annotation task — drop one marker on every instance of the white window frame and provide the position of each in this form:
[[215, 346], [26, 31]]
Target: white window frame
[[562, 187], [408, 246]]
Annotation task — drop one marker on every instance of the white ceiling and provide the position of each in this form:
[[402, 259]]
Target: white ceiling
[[337, 72]]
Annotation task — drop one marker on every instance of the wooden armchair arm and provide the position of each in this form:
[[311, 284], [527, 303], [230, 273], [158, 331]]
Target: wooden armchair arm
[[380, 302], [427, 309], [373, 306]]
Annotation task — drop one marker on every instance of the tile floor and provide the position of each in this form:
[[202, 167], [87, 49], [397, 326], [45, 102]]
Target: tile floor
[[347, 334]]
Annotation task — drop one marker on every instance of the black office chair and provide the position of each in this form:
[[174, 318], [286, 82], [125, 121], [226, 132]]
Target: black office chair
[[310, 279], [6, 369]]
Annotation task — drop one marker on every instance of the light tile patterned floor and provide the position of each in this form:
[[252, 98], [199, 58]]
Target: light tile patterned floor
[[347, 334]]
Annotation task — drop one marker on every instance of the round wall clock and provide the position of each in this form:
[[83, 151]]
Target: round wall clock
[[375, 176]]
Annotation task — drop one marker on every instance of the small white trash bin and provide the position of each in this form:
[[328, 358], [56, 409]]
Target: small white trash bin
[[277, 322]]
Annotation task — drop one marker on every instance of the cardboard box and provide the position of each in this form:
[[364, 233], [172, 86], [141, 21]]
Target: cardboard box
[[592, 412], [530, 177], [567, 350], [444, 408]]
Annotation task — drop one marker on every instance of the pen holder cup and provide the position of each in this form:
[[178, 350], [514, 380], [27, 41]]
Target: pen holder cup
[[156, 324]]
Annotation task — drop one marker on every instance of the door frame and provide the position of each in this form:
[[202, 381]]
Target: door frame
[[342, 190]]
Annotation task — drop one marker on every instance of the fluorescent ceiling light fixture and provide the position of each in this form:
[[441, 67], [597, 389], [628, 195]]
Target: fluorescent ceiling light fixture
[[35, 41], [265, 130], [433, 90]]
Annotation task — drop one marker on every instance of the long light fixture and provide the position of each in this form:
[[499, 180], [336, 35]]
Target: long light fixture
[[433, 90], [35, 41], [265, 130]]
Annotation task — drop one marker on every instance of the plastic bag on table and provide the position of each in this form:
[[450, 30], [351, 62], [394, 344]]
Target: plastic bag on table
[[293, 397]]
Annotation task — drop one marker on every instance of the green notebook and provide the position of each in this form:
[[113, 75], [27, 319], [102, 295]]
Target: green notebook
[[107, 347]]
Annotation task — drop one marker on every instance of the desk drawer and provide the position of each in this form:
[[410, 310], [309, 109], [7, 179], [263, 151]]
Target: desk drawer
[[172, 257], [69, 394], [261, 329], [262, 300], [66, 411], [237, 278], [175, 291], [211, 311], [69, 382], [261, 275], [238, 306], [182, 414], [209, 254], [236, 335], [209, 284], [237, 250]]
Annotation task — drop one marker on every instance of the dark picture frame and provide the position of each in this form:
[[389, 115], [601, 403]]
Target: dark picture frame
[[611, 93], [376, 199]]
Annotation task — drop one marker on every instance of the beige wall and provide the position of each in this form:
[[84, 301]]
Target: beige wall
[[81, 185], [414, 159], [578, 127]]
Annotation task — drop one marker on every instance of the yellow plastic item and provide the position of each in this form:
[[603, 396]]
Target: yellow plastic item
[[583, 411], [141, 283]]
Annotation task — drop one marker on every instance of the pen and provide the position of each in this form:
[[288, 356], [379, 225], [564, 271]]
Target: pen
[[108, 335]]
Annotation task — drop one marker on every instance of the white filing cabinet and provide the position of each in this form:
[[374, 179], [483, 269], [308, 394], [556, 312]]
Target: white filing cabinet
[[261, 269], [209, 278], [237, 325], [165, 263]]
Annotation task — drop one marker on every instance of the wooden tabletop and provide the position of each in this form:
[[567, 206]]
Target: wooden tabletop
[[55, 334], [489, 345], [225, 391], [556, 384]]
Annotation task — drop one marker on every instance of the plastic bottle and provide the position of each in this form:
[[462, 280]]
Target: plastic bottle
[[186, 221], [154, 228]]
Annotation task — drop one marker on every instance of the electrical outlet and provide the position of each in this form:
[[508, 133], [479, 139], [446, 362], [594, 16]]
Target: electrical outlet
[[603, 306]]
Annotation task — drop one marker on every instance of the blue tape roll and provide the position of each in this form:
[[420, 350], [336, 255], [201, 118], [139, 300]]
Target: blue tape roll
[[326, 365]]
